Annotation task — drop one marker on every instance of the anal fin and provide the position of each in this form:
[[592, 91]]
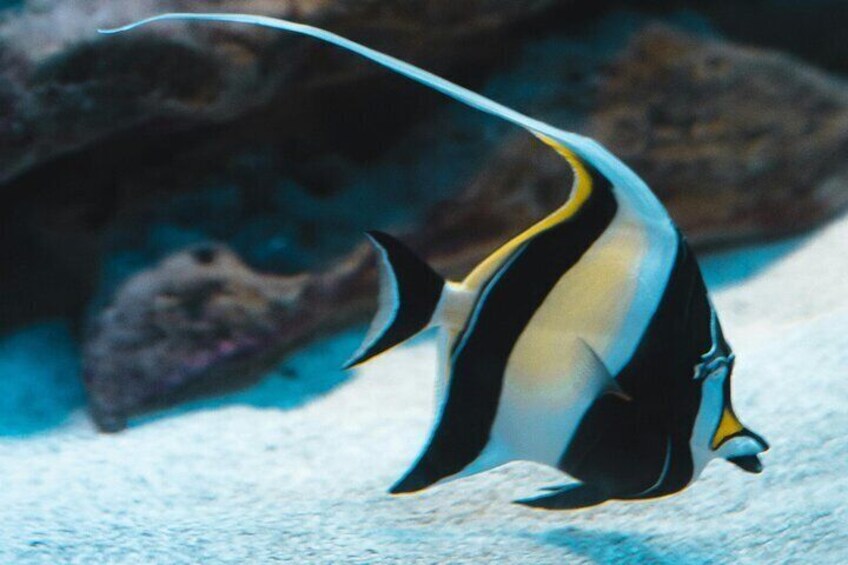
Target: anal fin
[[554, 488], [568, 497]]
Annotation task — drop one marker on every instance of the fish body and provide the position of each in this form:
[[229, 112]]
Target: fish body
[[587, 343]]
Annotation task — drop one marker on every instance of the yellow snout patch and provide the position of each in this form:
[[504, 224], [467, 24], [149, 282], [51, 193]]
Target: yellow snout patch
[[727, 427]]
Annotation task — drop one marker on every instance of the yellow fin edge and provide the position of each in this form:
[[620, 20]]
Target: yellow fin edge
[[580, 192]]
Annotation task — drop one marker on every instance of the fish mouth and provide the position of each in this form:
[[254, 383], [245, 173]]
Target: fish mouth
[[748, 463]]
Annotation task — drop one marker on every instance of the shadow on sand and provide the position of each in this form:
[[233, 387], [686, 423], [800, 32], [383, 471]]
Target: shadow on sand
[[622, 547]]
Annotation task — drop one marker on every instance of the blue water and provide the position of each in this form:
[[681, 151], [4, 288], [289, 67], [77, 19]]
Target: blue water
[[39, 379], [731, 267]]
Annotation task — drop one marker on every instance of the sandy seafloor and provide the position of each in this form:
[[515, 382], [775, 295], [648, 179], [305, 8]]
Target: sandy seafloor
[[296, 468]]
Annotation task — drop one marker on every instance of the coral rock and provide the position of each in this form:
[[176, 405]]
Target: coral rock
[[199, 313], [737, 142]]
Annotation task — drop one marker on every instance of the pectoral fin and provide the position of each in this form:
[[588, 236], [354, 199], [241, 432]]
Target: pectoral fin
[[600, 368], [750, 463]]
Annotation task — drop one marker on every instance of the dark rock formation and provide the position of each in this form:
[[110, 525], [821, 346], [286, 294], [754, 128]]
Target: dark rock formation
[[761, 150], [739, 143], [93, 128], [64, 88], [202, 321], [100, 136]]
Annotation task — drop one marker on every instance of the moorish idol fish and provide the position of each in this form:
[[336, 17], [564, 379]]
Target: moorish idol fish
[[587, 343]]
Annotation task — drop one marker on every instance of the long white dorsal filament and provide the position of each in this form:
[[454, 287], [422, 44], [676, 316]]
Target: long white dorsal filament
[[585, 147]]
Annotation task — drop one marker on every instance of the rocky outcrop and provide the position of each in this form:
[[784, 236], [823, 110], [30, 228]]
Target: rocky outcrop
[[94, 129], [95, 133], [202, 321], [738, 143], [64, 89]]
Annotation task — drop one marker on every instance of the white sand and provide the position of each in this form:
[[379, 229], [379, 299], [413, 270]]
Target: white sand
[[296, 469]]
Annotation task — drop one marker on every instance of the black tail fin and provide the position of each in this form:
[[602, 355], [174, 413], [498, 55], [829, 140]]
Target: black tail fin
[[409, 293]]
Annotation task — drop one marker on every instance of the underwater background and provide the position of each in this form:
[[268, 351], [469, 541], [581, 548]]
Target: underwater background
[[183, 265]]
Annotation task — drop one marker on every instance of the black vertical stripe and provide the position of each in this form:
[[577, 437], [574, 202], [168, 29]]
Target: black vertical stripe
[[666, 397], [507, 303], [618, 448]]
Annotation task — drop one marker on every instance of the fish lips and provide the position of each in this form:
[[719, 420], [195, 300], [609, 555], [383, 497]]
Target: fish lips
[[749, 463]]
